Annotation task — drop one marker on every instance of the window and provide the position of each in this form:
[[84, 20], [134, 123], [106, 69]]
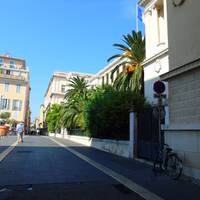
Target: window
[[111, 77], [103, 80], [5, 104], [18, 88], [19, 73], [12, 64], [17, 105], [8, 72], [160, 22], [1, 62], [107, 78], [63, 88], [6, 87]]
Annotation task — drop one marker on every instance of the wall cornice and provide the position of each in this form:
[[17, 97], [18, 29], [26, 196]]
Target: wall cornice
[[180, 70], [182, 127], [57, 94], [153, 58]]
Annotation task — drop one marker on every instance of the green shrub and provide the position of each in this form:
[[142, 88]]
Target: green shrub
[[107, 112], [54, 118], [5, 115]]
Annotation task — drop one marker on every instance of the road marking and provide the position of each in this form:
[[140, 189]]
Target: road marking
[[7, 151], [146, 194]]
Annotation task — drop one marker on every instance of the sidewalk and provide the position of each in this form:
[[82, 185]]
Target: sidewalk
[[6, 142], [140, 173]]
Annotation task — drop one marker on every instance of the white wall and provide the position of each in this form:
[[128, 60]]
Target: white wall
[[152, 70], [155, 27], [118, 147], [184, 32]]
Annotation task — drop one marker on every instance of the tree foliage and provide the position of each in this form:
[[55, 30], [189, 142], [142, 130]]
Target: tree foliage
[[131, 58], [78, 89], [72, 114], [102, 112], [5, 115], [107, 112], [53, 118]]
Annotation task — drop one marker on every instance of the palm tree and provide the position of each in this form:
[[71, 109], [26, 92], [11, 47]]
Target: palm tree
[[78, 88], [131, 58], [72, 113]]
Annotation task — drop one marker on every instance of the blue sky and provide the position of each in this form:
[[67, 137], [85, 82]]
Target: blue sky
[[62, 35]]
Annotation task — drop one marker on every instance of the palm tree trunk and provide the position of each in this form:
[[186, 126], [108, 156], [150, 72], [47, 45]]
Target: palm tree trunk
[[142, 83]]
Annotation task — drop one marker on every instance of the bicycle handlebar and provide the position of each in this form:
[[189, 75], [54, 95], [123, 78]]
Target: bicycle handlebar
[[166, 145]]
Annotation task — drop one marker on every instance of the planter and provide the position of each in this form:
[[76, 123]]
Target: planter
[[4, 130]]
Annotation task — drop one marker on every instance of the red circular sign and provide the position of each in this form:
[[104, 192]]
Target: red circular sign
[[159, 87]]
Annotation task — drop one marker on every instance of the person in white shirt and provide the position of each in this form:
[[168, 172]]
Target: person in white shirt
[[20, 131]]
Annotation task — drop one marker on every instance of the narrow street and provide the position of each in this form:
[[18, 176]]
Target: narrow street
[[41, 169], [52, 168], [104, 97]]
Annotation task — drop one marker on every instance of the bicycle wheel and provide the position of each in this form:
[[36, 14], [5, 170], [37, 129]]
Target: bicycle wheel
[[173, 166], [157, 163]]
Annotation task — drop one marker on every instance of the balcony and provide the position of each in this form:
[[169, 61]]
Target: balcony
[[13, 77]]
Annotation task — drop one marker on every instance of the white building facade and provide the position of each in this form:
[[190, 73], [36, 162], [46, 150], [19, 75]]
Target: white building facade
[[173, 55], [156, 62], [183, 133], [104, 75]]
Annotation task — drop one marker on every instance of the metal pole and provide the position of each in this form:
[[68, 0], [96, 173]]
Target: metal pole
[[131, 133], [160, 116], [159, 119], [136, 17]]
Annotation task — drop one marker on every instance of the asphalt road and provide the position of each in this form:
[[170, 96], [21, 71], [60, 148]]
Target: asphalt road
[[41, 169]]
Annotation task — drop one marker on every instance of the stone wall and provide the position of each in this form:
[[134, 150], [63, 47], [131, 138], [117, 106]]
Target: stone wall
[[183, 134], [184, 98], [187, 144]]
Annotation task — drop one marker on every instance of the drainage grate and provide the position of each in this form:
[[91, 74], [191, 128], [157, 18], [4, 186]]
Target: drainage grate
[[122, 188]]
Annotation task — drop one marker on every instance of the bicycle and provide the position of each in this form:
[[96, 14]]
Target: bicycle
[[168, 162]]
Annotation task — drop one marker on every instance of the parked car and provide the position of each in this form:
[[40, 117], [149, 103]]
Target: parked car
[[33, 131], [42, 131]]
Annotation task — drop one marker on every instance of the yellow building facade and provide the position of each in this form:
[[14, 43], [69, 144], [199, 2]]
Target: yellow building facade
[[14, 88]]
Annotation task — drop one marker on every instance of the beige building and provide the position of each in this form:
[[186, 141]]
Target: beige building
[[41, 117], [183, 133], [14, 88], [58, 86]]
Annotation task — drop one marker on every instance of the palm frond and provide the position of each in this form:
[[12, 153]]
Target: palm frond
[[113, 57], [116, 68], [135, 43], [121, 47]]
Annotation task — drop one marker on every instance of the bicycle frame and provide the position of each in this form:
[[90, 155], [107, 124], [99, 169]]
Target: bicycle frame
[[164, 152]]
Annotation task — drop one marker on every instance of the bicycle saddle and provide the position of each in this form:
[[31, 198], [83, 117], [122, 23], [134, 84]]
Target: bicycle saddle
[[169, 149]]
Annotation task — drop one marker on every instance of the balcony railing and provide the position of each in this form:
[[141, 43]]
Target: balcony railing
[[10, 76]]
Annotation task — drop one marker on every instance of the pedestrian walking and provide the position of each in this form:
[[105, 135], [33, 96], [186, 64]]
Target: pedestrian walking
[[37, 131], [20, 131]]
